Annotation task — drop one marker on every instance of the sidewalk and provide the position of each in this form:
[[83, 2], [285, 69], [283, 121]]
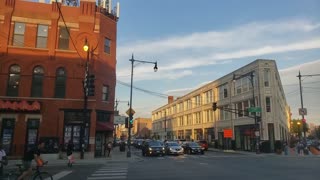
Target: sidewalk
[[115, 156], [290, 154]]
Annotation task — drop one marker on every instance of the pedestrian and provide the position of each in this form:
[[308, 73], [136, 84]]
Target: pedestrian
[[109, 147], [3, 159], [70, 147], [105, 147]]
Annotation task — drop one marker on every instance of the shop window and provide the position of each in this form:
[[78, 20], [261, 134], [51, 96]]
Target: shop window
[[13, 80], [37, 82], [32, 133]]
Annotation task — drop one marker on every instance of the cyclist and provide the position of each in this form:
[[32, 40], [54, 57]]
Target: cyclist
[[33, 153]]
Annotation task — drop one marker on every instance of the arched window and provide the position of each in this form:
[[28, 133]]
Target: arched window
[[61, 77], [37, 82], [13, 80]]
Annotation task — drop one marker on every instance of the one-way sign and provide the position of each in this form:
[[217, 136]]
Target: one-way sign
[[302, 111]]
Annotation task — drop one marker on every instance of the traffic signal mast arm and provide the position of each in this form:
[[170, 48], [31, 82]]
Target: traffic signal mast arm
[[235, 111]]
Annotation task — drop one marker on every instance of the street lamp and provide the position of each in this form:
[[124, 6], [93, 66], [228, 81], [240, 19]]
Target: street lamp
[[85, 97], [299, 130], [254, 105], [155, 68]]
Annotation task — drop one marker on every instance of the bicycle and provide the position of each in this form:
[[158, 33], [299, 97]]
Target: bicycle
[[37, 175]]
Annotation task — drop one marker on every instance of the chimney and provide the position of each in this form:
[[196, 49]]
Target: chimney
[[170, 99]]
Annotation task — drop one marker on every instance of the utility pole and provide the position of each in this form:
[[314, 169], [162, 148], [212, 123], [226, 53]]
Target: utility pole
[[165, 124], [304, 123]]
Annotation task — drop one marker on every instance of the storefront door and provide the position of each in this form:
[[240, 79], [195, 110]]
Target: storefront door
[[32, 133], [7, 134]]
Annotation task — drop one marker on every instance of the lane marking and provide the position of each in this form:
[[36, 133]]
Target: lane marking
[[109, 174]]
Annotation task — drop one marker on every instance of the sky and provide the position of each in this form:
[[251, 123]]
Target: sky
[[195, 42]]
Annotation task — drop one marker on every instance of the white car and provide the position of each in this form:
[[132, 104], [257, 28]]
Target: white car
[[173, 148]]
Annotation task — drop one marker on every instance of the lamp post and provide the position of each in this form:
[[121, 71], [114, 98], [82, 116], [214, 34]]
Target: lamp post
[[85, 107], [130, 109], [254, 105]]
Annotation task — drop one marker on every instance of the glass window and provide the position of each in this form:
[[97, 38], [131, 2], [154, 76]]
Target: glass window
[[42, 36], [245, 107], [240, 110], [266, 77], [13, 80], [268, 104], [105, 93], [37, 82], [107, 45], [60, 89], [63, 38], [18, 35], [245, 83], [238, 86]]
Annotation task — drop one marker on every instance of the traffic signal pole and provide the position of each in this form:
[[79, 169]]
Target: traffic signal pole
[[130, 111]]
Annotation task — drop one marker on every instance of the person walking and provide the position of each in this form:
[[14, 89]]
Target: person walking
[[70, 147], [109, 147]]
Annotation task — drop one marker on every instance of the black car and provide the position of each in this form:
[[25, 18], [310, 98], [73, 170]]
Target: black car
[[150, 148], [192, 148]]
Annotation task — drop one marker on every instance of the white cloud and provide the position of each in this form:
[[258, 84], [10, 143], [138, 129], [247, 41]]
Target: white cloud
[[212, 47]]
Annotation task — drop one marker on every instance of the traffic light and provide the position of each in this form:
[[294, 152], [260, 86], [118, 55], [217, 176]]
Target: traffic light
[[90, 84], [127, 122], [214, 106]]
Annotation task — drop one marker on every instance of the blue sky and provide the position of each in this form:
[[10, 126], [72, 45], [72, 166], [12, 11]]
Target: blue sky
[[199, 41]]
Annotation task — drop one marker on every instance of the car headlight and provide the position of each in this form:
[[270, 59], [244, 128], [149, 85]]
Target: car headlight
[[163, 148], [182, 149], [150, 149], [171, 149]]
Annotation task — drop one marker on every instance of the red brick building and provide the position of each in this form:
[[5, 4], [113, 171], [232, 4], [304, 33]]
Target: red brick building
[[42, 68]]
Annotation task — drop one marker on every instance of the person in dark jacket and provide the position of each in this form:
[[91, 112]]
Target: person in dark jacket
[[70, 147]]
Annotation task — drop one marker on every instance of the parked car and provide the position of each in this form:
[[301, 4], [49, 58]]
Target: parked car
[[204, 144], [150, 148], [192, 148], [172, 147]]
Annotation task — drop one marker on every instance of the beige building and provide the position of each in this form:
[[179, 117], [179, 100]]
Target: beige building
[[192, 117], [142, 127]]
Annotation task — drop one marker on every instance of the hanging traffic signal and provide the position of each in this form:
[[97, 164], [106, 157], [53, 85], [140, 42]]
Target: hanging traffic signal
[[128, 123], [90, 84], [214, 106]]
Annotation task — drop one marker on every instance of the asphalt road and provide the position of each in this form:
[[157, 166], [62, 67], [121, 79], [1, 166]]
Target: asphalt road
[[212, 165]]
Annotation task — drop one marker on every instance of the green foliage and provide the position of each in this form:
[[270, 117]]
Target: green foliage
[[298, 129]]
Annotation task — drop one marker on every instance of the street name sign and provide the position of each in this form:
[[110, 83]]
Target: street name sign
[[254, 109], [119, 120]]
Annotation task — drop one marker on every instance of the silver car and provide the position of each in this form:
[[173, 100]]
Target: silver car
[[173, 148]]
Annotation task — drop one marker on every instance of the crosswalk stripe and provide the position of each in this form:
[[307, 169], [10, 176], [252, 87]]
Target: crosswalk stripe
[[108, 174], [113, 177], [60, 175]]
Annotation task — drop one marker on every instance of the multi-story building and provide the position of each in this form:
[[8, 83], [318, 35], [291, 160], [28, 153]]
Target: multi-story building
[[192, 117], [42, 71], [142, 127]]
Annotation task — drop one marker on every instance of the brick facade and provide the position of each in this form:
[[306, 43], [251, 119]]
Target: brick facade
[[86, 21]]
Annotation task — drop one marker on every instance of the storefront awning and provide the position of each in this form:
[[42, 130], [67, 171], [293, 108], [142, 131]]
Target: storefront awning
[[104, 126]]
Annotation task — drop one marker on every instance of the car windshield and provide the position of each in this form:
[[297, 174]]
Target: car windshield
[[173, 144], [155, 143], [193, 144]]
